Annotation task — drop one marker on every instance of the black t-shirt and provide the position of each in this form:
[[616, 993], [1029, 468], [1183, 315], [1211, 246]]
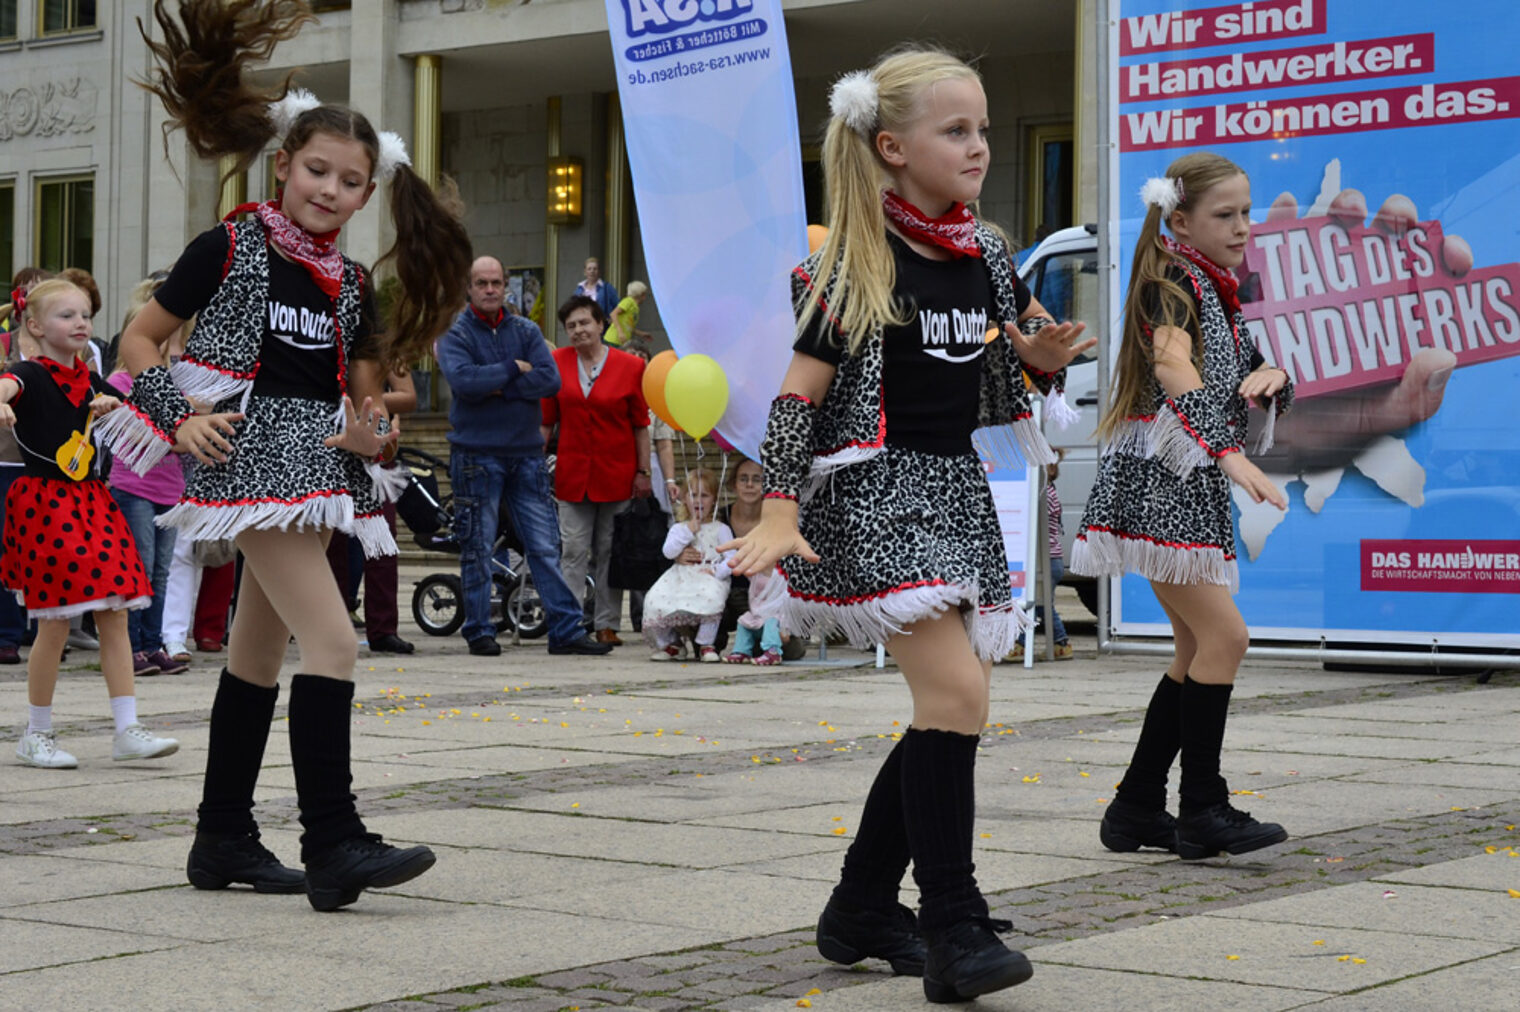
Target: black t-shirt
[[298, 356], [46, 419], [932, 366]]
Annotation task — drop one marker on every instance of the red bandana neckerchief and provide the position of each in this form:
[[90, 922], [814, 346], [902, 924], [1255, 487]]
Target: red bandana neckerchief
[[1225, 283], [73, 380], [313, 251], [953, 231]]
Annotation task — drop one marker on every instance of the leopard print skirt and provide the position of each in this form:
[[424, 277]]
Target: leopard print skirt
[[279, 475], [1142, 518], [903, 536]]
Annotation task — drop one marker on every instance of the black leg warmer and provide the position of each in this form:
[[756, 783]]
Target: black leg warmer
[[1144, 783], [1204, 710], [939, 811], [240, 717], [877, 859], [321, 715]]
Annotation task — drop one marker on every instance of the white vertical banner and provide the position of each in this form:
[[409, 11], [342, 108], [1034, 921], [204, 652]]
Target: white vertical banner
[[711, 127]]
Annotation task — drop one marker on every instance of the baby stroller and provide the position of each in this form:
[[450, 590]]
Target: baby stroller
[[438, 598]]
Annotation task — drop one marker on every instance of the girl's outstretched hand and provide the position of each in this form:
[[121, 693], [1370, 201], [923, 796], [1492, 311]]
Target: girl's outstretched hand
[[205, 437], [770, 541], [1051, 348], [7, 417], [361, 435], [104, 404], [1260, 385], [1251, 478]]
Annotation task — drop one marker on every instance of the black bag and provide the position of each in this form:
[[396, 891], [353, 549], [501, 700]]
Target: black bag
[[638, 540]]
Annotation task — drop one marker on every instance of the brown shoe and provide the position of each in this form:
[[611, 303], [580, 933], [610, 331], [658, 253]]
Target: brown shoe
[[609, 636]]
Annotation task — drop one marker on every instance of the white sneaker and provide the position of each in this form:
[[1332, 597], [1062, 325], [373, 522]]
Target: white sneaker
[[40, 749], [83, 640], [137, 742]]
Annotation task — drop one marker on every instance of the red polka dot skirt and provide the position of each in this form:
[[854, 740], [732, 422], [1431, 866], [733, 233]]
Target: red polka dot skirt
[[68, 549]]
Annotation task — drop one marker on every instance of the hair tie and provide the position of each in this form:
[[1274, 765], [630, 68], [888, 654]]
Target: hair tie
[[284, 113], [392, 155], [18, 300], [854, 99], [1164, 192]]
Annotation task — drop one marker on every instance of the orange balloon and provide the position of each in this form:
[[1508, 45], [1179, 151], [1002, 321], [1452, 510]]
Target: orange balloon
[[654, 386], [817, 236]]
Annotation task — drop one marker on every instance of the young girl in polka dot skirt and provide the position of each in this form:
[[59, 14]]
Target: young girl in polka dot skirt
[[68, 549]]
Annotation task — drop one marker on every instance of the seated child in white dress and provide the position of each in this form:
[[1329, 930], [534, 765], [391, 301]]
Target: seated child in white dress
[[694, 590]]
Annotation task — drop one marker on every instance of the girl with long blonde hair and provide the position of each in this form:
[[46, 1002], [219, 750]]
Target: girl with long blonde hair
[[913, 330]]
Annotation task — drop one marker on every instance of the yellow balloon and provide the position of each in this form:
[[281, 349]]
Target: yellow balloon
[[697, 393]]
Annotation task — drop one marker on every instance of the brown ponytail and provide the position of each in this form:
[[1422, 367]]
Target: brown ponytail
[[199, 78], [199, 72], [432, 258], [1137, 358]]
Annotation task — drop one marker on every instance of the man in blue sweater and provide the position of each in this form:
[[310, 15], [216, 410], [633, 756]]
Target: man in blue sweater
[[499, 367]]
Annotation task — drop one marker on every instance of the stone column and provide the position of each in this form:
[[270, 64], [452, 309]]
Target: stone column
[[380, 87], [427, 116], [234, 186]]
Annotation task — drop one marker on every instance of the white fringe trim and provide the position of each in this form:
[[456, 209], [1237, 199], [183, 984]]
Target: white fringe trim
[[1032, 442], [1102, 553], [207, 385], [1268, 437], [113, 603], [1060, 412], [389, 482], [824, 466], [1163, 439], [866, 623], [213, 523], [132, 440], [374, 536]]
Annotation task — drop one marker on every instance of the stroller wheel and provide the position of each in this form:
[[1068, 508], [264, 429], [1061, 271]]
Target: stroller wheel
[[438, 604], [534, 621]]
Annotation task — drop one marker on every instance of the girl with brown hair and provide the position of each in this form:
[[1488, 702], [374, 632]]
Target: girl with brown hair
[[285, 342], [1160, 505]]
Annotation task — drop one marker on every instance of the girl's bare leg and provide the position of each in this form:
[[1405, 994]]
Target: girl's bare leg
[[1208, 612], [115, 652], [948, 681], [1184, 642], [42, 662], [296, 593]]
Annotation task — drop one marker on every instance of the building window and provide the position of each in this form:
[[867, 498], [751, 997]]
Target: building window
[[67, 15], [7, 234], [65, 213], [7, 20], [1050, 172]]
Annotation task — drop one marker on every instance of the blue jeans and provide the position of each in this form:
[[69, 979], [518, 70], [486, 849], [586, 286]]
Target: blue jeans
[[481, 483], [1057, 570], [12, 615], [155, 546], [755, 642]]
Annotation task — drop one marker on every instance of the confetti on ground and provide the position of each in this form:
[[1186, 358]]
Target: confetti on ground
[[1389, 894], [1514, 894], [840, 831], [804, 1003], [1319, 941], [1232, 957]]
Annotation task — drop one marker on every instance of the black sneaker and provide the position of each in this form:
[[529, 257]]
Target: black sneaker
[[849, 935], [1127, 827], [335, 877], [1223, 828], [218, 860], [485, 646], [968, 959], [585, 645]]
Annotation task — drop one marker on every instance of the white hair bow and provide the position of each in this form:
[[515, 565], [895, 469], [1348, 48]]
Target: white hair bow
[[1163, 192], [392, 155], [854, 99], [284, 113]]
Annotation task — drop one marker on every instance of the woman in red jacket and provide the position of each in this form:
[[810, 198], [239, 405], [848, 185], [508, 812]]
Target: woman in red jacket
[[603, 456]]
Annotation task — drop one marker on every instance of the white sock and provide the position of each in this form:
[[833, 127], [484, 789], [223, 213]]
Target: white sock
[[40, 719], [124, 712]]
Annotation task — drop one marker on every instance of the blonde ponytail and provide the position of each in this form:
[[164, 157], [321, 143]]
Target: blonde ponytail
[[856, 268]]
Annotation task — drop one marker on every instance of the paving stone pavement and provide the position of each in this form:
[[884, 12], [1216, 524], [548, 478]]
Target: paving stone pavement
[[618, 834]]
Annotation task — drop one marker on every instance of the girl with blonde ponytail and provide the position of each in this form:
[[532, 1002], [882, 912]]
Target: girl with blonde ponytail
[[912, 331], [286, 342], [1161, 503]]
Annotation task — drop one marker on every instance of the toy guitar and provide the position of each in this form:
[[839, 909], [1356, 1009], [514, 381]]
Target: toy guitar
[[74, 456]]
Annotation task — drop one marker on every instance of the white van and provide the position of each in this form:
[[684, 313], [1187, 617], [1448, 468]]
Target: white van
[[1062, 271]]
